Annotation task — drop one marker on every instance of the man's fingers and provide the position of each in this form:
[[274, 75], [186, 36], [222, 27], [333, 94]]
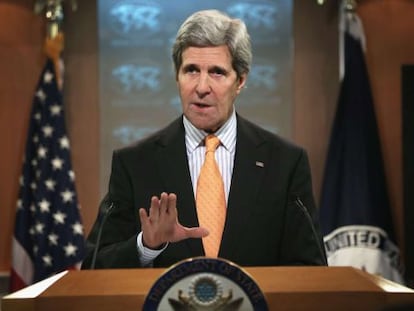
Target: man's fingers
[[196, 232], [163, 203], [172, 203], [143, 216], [154, 212]]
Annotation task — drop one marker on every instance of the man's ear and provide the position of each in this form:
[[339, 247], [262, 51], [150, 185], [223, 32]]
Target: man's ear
[[242, 82]]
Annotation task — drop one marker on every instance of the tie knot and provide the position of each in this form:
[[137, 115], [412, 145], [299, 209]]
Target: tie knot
[[212, 143]]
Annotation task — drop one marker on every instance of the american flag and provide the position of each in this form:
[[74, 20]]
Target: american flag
[[48, 236]]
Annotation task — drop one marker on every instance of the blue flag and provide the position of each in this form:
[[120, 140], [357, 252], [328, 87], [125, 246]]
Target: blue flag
[[355, 213], [48, 236]]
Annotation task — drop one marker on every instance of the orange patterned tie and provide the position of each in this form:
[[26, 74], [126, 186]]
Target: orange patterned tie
[[210, 199]]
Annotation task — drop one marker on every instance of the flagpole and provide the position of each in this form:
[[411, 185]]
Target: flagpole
[[54, 16], [351, 4], [54, 42], [347, 10]]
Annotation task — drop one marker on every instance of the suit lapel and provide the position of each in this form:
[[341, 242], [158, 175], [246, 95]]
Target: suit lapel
[[250, 158], [173, 167], [251, 153]]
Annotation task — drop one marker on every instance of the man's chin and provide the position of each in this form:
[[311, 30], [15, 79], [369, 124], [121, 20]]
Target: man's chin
[[206, 126]]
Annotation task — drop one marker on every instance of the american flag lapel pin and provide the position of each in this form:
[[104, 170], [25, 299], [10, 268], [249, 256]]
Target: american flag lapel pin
[[259, 164]]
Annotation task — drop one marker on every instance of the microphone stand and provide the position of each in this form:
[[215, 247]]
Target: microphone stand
[[308, 217], [107, 212]]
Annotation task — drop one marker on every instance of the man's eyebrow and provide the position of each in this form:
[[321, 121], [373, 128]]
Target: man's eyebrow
[[190, 65], [210, 68], [217, 67]]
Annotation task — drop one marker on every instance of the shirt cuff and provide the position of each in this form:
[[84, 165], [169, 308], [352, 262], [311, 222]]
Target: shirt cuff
[[147, 255]]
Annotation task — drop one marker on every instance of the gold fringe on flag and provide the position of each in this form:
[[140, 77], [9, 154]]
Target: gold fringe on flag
[[53, 49]]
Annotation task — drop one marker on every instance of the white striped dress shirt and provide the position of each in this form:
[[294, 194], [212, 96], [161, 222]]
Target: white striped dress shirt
[[194, 141]]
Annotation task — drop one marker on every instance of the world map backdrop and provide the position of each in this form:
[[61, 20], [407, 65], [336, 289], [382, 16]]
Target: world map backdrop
[[138, 93]]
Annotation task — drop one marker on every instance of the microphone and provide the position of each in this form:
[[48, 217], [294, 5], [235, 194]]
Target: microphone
[[106, 212], [308, 217]]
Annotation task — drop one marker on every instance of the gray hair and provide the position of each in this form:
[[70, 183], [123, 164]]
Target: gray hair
[[214, 28]]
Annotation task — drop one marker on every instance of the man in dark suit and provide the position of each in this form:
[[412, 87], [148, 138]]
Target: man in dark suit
[[150, 213]]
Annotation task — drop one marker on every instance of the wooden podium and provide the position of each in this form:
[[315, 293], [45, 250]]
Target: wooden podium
[[285, 288]]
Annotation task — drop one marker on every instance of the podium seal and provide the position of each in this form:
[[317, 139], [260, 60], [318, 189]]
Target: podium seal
[[205, 284]]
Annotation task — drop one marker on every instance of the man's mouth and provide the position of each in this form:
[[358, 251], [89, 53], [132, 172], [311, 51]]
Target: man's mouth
[[201, 105]]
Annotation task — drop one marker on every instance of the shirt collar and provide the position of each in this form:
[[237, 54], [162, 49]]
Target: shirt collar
[[194, 137]]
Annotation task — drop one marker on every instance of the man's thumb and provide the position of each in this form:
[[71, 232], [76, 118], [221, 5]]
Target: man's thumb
[[197, 232]]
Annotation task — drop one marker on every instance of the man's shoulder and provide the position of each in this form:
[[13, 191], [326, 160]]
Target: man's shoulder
[[160, 137], [260, 134]]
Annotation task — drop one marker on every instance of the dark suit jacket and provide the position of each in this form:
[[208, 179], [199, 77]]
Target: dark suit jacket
[[264, 227]]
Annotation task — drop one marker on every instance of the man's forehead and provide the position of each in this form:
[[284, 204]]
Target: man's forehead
[[211, 56]]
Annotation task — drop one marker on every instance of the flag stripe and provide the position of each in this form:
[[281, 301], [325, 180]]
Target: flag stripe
[[22, 264], [15, 281]]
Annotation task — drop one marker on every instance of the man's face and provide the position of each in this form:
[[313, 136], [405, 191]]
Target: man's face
[[208, 86]]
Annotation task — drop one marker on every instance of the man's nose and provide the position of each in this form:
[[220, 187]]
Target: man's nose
[[203, 86]]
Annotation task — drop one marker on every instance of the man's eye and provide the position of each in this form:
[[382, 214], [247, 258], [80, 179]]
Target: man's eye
[[218, 72], [190, 69]]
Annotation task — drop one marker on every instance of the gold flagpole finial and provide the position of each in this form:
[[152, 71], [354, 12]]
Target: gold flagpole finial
[[54, 13], [53, 10], [54, 16], [350, 6]]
